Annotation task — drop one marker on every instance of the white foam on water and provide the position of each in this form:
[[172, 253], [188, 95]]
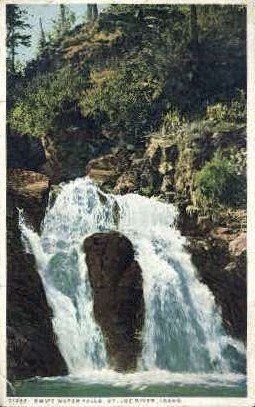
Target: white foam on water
[[144, 379], [183, 336]]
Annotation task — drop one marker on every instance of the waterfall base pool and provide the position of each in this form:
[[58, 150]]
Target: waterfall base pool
[[183, 330], [106, 383]]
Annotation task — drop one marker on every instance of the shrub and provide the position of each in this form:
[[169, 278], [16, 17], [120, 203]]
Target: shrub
[[172, 120], [217, 112], [121, 99], [44, 101], [234, 112], [219, 183]]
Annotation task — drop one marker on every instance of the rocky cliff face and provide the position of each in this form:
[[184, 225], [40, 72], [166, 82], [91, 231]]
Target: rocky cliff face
[[162, 167], [32, 348], [68, 153], [116, 281], [224, 272], [165, 168]]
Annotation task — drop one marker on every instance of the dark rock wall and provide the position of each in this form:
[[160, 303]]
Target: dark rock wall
[[225, 275], [25, 152], [31, 343], [116, 281]]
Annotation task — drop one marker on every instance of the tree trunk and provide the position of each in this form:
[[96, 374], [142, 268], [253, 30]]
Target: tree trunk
[[42, 41], [94, 12], [13, 53], [194, 43], [63, 17], [194, 28]]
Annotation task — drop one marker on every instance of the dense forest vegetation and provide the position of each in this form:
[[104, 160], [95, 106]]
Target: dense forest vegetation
[[135, 70]]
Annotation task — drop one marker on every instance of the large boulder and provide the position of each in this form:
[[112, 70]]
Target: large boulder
[[31, 343], [116, 281]]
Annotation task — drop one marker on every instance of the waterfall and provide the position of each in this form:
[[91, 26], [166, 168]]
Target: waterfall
[[183, 329]]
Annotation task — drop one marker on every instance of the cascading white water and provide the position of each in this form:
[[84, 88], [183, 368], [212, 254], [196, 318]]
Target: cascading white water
[[183, 329]]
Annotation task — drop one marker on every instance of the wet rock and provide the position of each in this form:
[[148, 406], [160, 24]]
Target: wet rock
[[105, 170], [129, 181], [31, 343], [126, 183], [141, 176], [225, 275], [116, 281], [28, 190]]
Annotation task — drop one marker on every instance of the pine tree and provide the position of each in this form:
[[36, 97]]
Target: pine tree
[[194, 43], [194, 27], [64, 22], [92, 12], [63, 18], [15, 26], [42, 39]]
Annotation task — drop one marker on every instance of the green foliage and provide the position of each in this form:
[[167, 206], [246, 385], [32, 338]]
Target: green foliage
[[234, 112], [217, 112], [199, 56], [45, 101], [237, 158], [220, 183], [16, 25], [121, 100], [64, 22], [172, 120], [147, 191], [139, 60], [42, 39], [92, 12]]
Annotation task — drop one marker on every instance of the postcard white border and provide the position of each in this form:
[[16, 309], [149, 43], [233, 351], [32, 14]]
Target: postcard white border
[[248, 401]]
